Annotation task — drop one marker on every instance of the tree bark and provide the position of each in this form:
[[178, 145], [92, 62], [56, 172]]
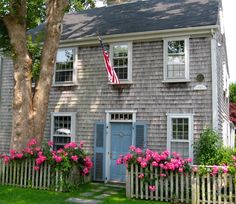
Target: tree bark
[[30, 111]]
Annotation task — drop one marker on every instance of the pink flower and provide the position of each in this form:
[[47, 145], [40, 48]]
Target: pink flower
[[195, 169], [152, 188], [74, 158], [85, 171], [32, 142], [60, 151], [143, 164], [19, 155], [37, 149], [139, 159], [119, 161], [12, 152], [58, 159], [234, 158], [132, 148], [6, 159], [225, 169], [181, 170], [70, 145], [140, 176], [189, 160], [81, 144], [154, 163], [138, 151], [162, 175], [50, 143], [88, 162], [36, 168], [215, 170]]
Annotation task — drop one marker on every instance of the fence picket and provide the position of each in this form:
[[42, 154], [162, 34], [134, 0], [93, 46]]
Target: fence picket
[[208, 188], [151, 170], [219, 188], [136, 181], [141, 185], [187, 187], [156, 184], [214, 189], [132, 180], [230, 189], [161, 185], [203, 188]]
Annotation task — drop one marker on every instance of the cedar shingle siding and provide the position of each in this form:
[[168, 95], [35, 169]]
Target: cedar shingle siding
[[148, 94], [6, 104]]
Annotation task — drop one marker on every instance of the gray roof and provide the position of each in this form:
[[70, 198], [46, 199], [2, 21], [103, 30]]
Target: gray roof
[[139, 16]]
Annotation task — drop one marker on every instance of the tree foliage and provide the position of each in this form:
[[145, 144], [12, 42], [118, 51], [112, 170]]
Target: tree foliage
[[232, 92]]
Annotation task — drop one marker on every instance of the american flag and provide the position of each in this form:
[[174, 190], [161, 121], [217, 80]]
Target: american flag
[[112, 77]]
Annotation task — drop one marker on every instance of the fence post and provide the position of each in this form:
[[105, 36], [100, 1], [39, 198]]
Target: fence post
[[128, 184], [193, 188]]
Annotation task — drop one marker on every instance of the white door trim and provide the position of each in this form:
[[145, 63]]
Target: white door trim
[[108, 136]]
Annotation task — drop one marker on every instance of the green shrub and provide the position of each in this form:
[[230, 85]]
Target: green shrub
[[207, 147]]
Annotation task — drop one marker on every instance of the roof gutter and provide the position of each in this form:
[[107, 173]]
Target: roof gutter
[[137, 36]]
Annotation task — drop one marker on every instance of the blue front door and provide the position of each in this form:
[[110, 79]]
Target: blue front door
[[121, 140]]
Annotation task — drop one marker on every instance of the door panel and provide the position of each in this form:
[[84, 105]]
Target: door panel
[[121, 140]]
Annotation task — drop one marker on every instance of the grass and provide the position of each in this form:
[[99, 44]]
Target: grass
[[14, 195]]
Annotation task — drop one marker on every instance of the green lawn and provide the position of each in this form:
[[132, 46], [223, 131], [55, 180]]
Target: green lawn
[[14, 195]]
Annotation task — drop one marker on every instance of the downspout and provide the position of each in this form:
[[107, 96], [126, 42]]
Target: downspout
[[215, 119]]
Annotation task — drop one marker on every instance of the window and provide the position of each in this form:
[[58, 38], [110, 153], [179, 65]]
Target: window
[[121, 54], [180, 134], [176, 60], [65, 66], [62, 129]]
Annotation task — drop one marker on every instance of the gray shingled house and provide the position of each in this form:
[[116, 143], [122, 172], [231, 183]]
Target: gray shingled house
[[170, 56]]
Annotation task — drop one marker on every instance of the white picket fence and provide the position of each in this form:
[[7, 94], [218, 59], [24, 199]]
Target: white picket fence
[[22, 174], [181, 187]]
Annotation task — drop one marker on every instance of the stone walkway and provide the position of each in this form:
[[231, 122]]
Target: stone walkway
[[97, 194]]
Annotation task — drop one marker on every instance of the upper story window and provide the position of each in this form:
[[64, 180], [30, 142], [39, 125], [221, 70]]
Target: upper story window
[[121, 54], [65, 66], [176, 60], [180, 134], [62, 129]]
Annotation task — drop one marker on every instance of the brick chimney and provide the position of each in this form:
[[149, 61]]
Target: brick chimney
[[115, 2]]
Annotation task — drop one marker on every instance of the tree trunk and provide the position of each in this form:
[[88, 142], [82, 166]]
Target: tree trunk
[[30, 111]]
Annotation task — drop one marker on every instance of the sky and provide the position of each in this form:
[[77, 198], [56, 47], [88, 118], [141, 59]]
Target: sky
[[229, 18]]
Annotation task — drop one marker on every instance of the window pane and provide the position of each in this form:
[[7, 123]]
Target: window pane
[[180, 128], [120, 61], [176, 46], [62, 125], [176, 59], [180, 147], [65, 55], [120, 50], [64, 65]]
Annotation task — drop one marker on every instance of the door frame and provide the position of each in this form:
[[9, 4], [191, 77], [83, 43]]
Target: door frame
[[108, 135]]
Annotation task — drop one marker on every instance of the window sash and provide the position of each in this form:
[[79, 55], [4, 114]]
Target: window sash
[[122, 62], [62, 123], [65, 69], [174, 142], [176, 63]]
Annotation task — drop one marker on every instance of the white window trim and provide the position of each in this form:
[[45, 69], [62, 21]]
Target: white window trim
[[74, 78], [130, 55], [190, 129], [73, 123], [165, 61]]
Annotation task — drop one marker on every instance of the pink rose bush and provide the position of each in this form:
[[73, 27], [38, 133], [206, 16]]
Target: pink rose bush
[[149, 158], [64, 159]]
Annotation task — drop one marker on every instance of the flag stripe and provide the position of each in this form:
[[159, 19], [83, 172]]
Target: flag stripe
[[112, 77]]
